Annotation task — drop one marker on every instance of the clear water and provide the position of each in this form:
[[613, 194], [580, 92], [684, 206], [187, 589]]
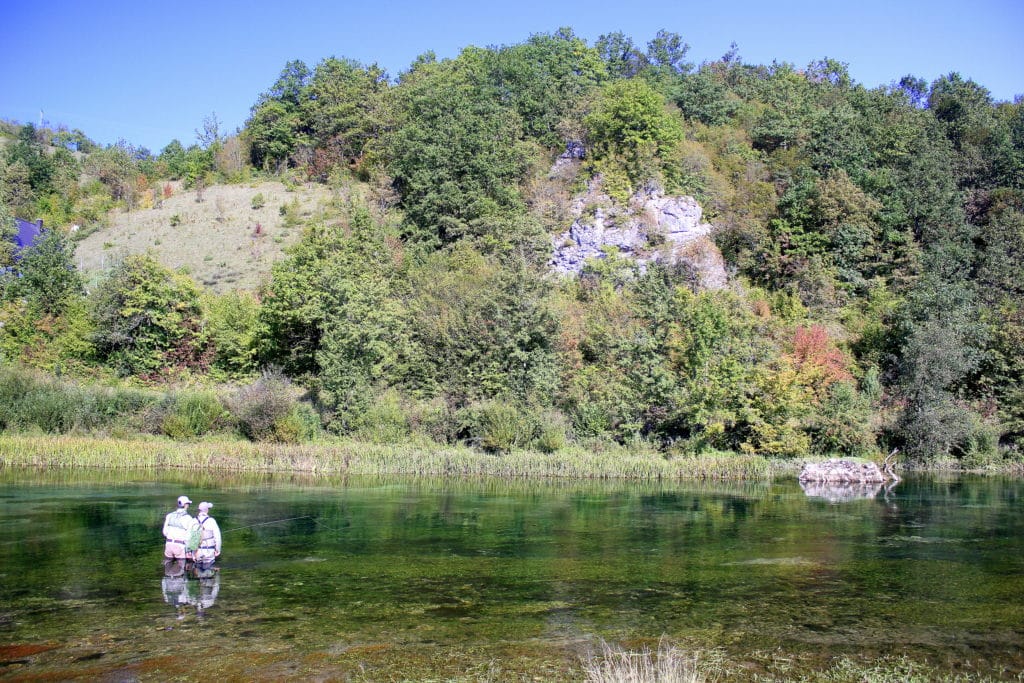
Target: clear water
[[417, 579]]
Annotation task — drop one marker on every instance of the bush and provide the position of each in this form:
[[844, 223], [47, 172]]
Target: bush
[[302, 423], [384, 421], [980, 447], [496, 426], [258, 202], [258, 407], [193, 414], [553, 432], [50, 408], [435, 420], [30, 401]]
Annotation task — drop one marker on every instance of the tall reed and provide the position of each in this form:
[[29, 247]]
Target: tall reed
[[354, 457]]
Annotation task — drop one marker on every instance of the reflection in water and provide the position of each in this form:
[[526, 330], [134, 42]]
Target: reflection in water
[[186, 584], [429, 579], [840, 491], [176, 585], [208, 578]]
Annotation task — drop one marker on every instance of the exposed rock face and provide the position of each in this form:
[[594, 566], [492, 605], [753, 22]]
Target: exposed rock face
[[841, 471], [655, 228]]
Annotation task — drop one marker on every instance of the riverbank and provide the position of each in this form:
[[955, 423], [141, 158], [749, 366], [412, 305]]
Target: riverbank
[[344, 457], [352, 457]]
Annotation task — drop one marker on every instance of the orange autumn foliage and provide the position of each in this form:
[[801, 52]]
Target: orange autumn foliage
[[817, 358]]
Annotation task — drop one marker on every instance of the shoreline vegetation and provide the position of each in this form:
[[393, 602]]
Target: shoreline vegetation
[[547, 246], [350, 457], [363, 458]]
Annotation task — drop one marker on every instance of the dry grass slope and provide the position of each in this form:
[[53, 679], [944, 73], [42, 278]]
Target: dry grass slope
[[215, 240]]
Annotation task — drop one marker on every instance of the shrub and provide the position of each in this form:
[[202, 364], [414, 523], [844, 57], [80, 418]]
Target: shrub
[[436, 420], [302, 423], [50, 408], [193, 414], [258, 407], [29, 401], [496, 426], [553, 428], [258, 202], [384, 421]]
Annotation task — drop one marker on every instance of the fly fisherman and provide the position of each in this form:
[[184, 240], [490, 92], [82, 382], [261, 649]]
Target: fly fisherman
[[209, 536], [177, 526]]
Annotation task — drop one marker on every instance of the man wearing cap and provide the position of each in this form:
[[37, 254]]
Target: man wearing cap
[[177, 526], [209, 535]]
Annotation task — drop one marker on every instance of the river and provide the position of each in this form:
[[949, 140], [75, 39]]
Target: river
[[413, 579]]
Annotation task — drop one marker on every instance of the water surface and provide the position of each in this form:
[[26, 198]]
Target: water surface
[[366, 579]]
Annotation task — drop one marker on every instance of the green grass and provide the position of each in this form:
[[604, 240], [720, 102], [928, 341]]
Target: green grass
[[355, 457]]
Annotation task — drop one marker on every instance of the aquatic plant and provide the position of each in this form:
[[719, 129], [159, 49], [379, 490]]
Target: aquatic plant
[[668, 664]]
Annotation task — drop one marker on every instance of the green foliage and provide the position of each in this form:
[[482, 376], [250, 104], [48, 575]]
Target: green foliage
[[301, 423], [273, 132], [456, 154], [344, 107], [365, 330], [875, 234], [45, 275], [232, 326], [147, 319], [115, 167], [173, 157], [193, 414], [704, 97], [552, 432], [545, 79], [266, 409], [622, 58], [480, 329], [496, 426], [631, 129], [31, 401], [383, 420]]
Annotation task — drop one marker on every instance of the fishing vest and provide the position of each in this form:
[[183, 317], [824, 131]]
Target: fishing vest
[[177, 518]]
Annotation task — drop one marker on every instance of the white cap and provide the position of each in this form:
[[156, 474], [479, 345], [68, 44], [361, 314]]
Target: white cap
[[205, 506], [183, 501]]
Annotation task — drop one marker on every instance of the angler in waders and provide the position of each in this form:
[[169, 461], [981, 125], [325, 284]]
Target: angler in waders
[[209, 536], [178, 527]]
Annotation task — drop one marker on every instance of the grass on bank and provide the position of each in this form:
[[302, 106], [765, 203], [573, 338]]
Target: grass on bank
[[353, 457]]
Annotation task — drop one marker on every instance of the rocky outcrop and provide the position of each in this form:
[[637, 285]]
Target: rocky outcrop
[[838, 480], [654, 228], [842, 471]]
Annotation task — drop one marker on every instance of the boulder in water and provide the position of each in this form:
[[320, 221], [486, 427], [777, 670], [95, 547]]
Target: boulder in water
[[838, 470]]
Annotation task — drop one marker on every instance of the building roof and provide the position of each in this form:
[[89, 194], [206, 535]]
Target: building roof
[[27, 233]]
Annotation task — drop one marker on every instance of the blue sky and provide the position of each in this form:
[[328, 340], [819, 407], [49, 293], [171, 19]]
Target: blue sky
[[150, 72]]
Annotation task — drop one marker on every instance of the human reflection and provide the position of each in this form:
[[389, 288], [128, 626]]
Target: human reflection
[[208, 578], [190, 584], [176, 588]]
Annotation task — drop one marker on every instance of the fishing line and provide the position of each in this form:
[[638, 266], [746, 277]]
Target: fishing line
[[275, 521]]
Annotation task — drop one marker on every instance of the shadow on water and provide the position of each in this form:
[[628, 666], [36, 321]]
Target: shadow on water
[[409, 578]]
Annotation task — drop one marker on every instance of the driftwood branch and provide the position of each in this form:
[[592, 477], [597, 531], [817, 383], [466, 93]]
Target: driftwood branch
[[889, 465]]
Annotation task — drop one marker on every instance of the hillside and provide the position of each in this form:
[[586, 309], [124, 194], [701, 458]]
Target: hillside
[[215, 240], [757, 259]]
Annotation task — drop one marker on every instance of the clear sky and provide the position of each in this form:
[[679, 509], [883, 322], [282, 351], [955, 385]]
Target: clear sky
[[150, 72]]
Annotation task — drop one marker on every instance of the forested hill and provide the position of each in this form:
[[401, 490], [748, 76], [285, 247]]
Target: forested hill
[[873, 237]]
